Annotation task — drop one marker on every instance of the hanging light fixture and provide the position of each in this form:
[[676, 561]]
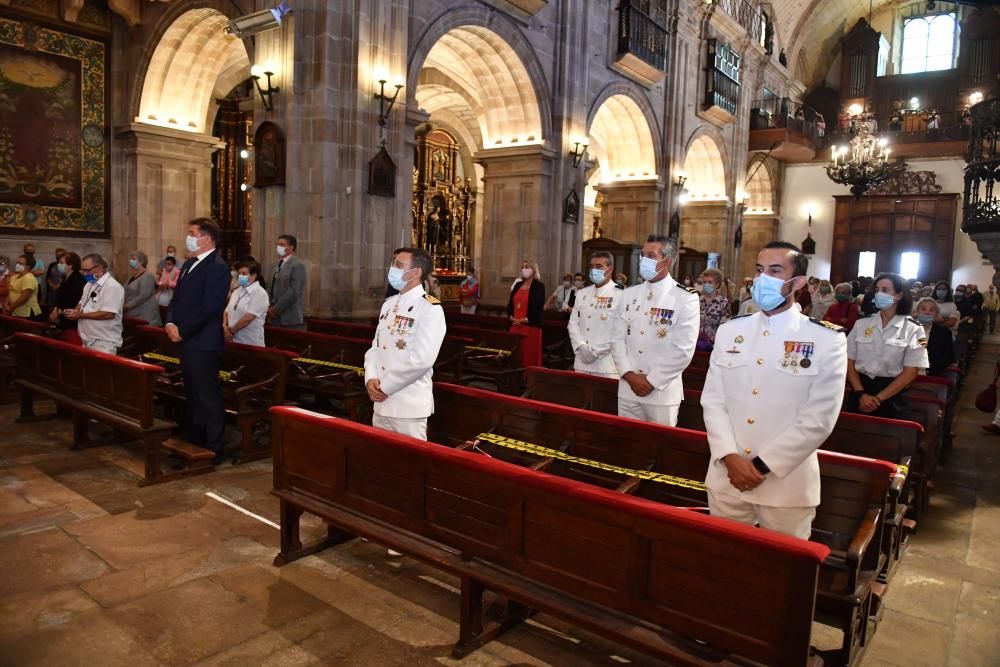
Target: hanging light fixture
[[864, 162]]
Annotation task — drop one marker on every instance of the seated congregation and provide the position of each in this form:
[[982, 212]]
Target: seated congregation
[[697, 474]]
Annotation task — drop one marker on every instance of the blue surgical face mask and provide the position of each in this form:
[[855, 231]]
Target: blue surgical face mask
[[924, 318], [61, 267], [883, 300], [90, 278], [596, 276], [191, 243], [243, 280], [133, 263], [396, 278], [707, 289], [766, 291], [647, 268]]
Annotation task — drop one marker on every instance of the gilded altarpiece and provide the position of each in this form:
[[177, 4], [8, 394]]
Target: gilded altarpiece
[[53, 130], [443, 203]]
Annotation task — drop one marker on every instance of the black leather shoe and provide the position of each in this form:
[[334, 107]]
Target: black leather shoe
[[219, 459]]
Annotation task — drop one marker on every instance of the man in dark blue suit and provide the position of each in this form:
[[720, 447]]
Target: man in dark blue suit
[[194, 320]]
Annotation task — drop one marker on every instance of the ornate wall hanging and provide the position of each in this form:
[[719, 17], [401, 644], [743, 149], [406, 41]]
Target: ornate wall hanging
[[382, 174], [268, 155], [571, 208], [53, 130], [901, 181]]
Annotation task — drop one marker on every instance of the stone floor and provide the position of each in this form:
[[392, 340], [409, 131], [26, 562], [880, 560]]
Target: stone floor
[[96, 571]]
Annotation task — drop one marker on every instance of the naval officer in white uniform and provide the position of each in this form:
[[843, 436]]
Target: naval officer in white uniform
[[656, 330], [772, 396], [399, 364], [592, 324]]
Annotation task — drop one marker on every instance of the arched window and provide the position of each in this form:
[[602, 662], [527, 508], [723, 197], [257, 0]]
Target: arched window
[[929, 43]]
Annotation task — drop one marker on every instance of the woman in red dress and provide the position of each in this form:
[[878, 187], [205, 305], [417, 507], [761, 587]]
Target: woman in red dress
[[527, 300]]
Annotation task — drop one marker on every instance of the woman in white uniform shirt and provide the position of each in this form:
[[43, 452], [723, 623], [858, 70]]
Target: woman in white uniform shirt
[[885, 351], [948, 315], [243, 321]]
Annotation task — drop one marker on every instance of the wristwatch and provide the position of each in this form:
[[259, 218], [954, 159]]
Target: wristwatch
[[760, 465]]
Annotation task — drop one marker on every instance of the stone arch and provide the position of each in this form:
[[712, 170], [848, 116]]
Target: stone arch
[[623, 135], [705, 168], [193, 61], [760, 187], [495, 68]]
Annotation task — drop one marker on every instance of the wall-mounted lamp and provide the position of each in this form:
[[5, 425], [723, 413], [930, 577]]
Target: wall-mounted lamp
[[975, 98], [385, 103], [256, 72], [742, 201], [680, 180], [809, 244], [244, 187], [855, 110], [579, 150], [244, 154]]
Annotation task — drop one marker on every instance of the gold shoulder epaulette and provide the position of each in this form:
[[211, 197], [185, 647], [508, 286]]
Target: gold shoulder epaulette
[[829, 325], [687, 289], [432, 299], [736, 317], [914, 320]]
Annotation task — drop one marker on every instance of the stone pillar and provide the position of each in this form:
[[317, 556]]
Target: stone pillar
[[631, 210], [758, 231], [162, 178], [516, 221], [704, 228]]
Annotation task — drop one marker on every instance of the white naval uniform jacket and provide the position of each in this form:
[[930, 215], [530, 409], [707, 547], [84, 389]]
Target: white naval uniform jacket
[[774, 390], [410, 330], [591, 326], [656, 328]]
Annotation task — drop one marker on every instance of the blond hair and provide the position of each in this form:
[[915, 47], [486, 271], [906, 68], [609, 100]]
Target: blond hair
[[534, 267]]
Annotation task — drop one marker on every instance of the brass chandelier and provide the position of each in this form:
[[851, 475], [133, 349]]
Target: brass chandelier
[[864, 162]]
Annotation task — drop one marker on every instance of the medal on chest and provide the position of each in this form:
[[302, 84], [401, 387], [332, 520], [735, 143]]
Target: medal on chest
[[661, 318], [603, 304], [797, 354]]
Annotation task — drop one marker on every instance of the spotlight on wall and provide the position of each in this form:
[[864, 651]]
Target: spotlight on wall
[[262, 21], [579, 150], [256, 73], [244, 154], [244, 187], [975, 98], [855, 109], [914, 103]]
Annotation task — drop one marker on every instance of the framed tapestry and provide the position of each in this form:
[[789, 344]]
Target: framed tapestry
[[53, 131]]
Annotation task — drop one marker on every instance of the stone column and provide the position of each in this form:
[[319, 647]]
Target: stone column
[[162, 178], [516, 222], [758, 231], [704, 227], [631, 210]]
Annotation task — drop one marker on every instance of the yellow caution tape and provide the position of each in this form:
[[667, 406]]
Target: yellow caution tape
[[538, 450], [502, 353], [332, 364], [225, 376]]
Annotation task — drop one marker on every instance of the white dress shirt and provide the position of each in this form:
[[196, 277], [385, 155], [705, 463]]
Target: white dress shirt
[[591, 326], [774, 389], [106, 295], [253, 300], [885, 352], [410, 331], [656, 328], [201, 257]]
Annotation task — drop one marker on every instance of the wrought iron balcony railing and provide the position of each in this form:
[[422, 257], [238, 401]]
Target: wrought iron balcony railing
[[981, 200], [641, 36], [746, 15], [785, 113]]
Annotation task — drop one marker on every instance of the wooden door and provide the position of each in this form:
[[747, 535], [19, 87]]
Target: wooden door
[[890, 225]]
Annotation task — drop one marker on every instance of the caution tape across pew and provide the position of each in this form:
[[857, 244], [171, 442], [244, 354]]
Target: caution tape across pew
[[331, 364], [537, 450], [225, 376]]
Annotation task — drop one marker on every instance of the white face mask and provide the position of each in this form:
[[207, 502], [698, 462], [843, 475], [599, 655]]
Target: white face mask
[[527, 273], [647, 268], [281, 250], [578, 284], [18, 268], [191, 243]]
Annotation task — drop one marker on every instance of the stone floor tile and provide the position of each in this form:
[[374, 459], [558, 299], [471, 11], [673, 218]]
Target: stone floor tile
[[190, 622], [33, 611], [924, 592], [976, 642], [43, 560], [910, 641]]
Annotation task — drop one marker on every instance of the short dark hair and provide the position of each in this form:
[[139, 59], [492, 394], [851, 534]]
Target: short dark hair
[[470, 269], [208, 227], [579, 274], [800, 262], [172, 260], [292, 241], [72, 260], [250, 265], [905, 305], [605, 255], [419, 259]]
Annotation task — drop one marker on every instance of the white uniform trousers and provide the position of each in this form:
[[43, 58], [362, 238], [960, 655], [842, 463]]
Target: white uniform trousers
[[794, 521], [101, 346], [415, 427], [657, 414]]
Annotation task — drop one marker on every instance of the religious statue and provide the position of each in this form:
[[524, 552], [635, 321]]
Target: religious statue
[[438, 226]]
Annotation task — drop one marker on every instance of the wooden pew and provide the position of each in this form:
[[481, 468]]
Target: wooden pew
[[337, 328], [129, 327], [851, 522], [9, 326], [106, 388], [253, 379], [689, 589], [331, 368], [478, 321], [929, 413], [945, 390]]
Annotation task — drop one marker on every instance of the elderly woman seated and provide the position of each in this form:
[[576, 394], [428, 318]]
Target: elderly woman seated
[[940, 348]]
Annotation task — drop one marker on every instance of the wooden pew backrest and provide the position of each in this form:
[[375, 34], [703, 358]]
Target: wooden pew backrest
[[747, 592]]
